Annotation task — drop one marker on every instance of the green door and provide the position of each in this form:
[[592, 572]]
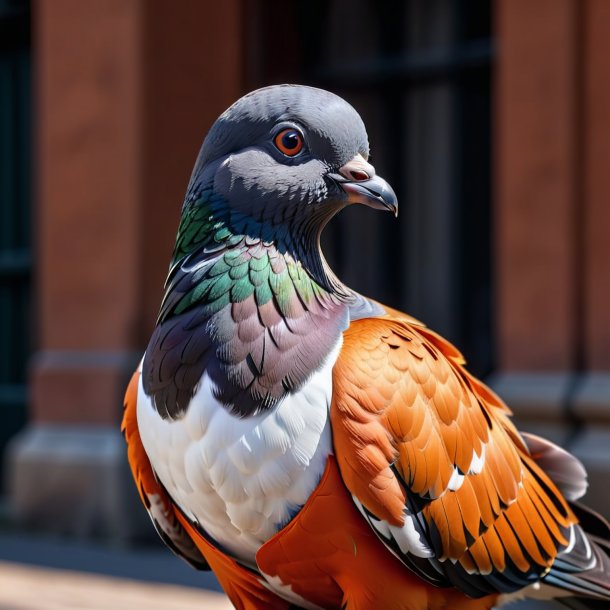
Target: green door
[[15, 235]]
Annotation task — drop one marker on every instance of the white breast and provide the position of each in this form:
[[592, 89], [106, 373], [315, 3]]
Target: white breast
[[242, 479]]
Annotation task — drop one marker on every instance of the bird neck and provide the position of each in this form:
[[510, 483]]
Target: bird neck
[[248, 311], [214, 239]]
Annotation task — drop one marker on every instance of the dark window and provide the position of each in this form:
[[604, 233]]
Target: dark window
[[15, 245], [418, 71]]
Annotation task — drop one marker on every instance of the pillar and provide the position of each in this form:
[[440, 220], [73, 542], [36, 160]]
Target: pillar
[[552, 134], [126, 91]]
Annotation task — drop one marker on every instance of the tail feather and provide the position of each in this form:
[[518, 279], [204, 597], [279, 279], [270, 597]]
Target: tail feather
[[580, 603], [584, 567], [580, 575], [591, 521], [565, 470]]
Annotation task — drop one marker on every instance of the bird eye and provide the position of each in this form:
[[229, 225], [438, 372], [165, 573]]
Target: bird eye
[[289, 142]]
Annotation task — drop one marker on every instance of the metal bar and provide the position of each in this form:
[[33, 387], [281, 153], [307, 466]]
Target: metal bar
[[416, 67]]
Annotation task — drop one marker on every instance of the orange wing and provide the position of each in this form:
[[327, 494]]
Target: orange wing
[[435, 465]]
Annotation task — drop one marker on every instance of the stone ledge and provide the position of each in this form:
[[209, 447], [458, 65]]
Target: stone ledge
[[592, 447], [591, 401], [80, 386], [570, 410], [74, 480], [535, 396]]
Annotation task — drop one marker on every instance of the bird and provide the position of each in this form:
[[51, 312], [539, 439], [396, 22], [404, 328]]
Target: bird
[[313, 447]]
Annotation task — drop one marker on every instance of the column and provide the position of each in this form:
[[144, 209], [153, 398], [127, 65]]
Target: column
[[536, 182], [126, 91]]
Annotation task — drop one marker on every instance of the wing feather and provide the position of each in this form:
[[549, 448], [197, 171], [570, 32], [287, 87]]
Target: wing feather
[[419, 439]]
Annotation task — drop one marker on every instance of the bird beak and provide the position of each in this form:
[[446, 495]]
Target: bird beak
[[358, 180]]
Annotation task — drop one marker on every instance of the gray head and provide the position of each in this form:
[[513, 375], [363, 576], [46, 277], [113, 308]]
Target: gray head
[[288, 157], [273, 169]]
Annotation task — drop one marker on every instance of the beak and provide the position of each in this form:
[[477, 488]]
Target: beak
[[358, 180]]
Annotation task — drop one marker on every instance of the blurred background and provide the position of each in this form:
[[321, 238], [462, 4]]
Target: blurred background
[[491, 119]]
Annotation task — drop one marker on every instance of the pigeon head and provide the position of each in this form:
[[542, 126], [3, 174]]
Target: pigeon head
[[285, 159], [249, 297]]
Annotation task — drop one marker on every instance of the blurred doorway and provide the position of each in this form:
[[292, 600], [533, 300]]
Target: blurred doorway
[[419, 72]]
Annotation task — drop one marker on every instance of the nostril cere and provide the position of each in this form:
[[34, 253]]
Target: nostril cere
[[357, 174]]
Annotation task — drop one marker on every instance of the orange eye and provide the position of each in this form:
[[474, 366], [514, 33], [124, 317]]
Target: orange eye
[[289, 142]]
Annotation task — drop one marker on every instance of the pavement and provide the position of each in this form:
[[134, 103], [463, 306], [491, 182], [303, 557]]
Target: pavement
[[42, 573], [33, 588], [38, 573]]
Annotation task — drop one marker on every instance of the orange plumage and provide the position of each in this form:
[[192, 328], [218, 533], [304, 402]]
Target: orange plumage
[[404, 412], [327, 552]]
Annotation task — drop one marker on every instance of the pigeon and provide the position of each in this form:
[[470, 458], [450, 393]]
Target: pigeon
[[311, 446]]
